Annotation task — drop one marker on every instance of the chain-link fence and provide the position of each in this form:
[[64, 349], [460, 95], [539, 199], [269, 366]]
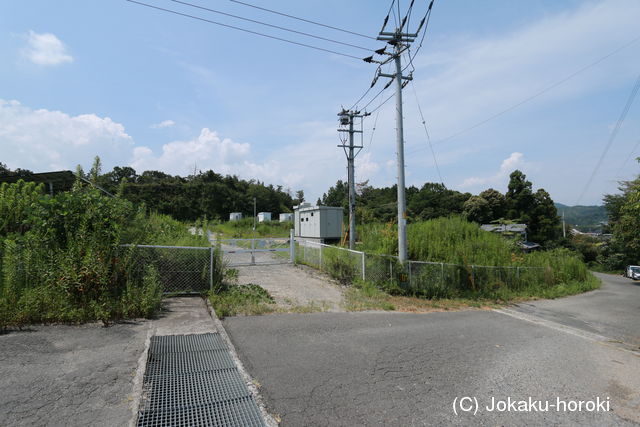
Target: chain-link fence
[[181, 269], [240, 252], [431, 279]]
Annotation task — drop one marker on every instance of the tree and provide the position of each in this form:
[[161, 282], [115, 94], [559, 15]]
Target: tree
[[96, 170], [624, 218], [338, 195], [544, 226], [497, 203], [477, 209], [299, 197], [519, 197]]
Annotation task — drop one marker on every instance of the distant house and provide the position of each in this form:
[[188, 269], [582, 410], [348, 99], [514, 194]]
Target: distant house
[[235, 216], [507, 230], [54, 181], [529, 246]]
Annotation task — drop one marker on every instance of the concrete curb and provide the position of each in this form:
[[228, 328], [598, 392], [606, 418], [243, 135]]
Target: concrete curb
[[138, 379], [268, 418]]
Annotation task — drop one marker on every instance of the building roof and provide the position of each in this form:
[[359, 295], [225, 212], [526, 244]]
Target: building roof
[[505, 228]]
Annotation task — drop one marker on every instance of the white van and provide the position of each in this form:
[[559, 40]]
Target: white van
[[632, 272]]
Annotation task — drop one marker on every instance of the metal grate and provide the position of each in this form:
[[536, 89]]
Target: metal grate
[[186, 343], [182, 363], [241, 412], [191, 380]]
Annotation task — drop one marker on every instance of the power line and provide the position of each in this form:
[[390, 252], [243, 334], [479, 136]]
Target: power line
[[270, 25], [373, 130], [302, 19], [424, 124], [612, 136], [537, 94], [244, 30]]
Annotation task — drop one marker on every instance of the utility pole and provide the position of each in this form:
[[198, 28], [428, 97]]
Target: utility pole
[[564, 229], [400, 42], [347, 119]]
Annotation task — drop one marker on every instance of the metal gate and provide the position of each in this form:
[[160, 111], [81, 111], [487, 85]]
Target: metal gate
[[261, 251]]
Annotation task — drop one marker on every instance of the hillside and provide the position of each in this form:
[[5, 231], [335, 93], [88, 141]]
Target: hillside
[[584, 218]]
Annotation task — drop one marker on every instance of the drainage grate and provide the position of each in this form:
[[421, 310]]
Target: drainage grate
[[180, 363], [186, 343], [191, 380], [237, 413]]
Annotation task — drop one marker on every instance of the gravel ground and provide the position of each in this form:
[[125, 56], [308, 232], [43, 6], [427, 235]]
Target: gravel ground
[[290, 285]]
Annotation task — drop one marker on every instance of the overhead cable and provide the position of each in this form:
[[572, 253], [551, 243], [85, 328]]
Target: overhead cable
[[270, 25], [612, 136], [244, 30], [302, 19]]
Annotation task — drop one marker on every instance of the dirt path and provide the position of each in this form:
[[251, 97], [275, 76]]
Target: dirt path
[[294, 285], [289, 285]]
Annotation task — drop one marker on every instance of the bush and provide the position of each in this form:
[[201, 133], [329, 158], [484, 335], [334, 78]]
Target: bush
[[61, 259]]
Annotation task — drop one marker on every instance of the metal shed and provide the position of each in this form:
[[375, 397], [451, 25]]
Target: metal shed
[[235, 216], [264, 216], [318, 222], [284, 217]]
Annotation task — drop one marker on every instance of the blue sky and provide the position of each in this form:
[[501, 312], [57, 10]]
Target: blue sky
[[152, 90]]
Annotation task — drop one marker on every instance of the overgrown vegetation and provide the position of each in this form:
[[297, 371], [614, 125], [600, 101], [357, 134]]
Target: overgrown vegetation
[[243, 229], [246, 299], [61, 257], [462, 261]]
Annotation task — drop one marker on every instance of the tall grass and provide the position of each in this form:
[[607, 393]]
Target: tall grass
[[470, 262], [244, 229]]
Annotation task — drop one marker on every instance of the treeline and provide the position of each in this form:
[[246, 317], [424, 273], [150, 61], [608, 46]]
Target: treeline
[[520, 204], [206, 194], [624, 223]]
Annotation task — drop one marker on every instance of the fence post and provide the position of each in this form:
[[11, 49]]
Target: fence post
[[442, 273], [363, 267], [211, 268], [320, 256], [390, 269], [409, 265], [473, 277], [292, 247], [253, 254]]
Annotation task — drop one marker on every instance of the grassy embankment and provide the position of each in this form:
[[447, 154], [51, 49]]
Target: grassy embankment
[[459, 245]]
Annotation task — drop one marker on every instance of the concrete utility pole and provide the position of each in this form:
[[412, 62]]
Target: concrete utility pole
[[346, 119], [400, 42]]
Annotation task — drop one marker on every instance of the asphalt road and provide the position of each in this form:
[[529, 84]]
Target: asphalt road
[[60, 375], [612, 311], [69, 375], [404, 369]]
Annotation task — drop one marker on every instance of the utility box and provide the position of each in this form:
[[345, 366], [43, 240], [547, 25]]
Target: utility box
[[264, 216], [317, 222], [286, 217], [235, 216]]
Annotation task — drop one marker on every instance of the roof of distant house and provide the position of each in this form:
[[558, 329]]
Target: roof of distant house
[[504, 228]]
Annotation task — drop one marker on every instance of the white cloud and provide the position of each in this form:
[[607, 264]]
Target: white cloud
[[508, 165], [43, 140], [163, 124], [46, 49], [207, 151]]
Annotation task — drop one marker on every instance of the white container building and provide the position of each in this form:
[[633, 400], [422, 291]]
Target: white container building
[[286, 217], [235, 216], [264, 216], [317, 222]]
